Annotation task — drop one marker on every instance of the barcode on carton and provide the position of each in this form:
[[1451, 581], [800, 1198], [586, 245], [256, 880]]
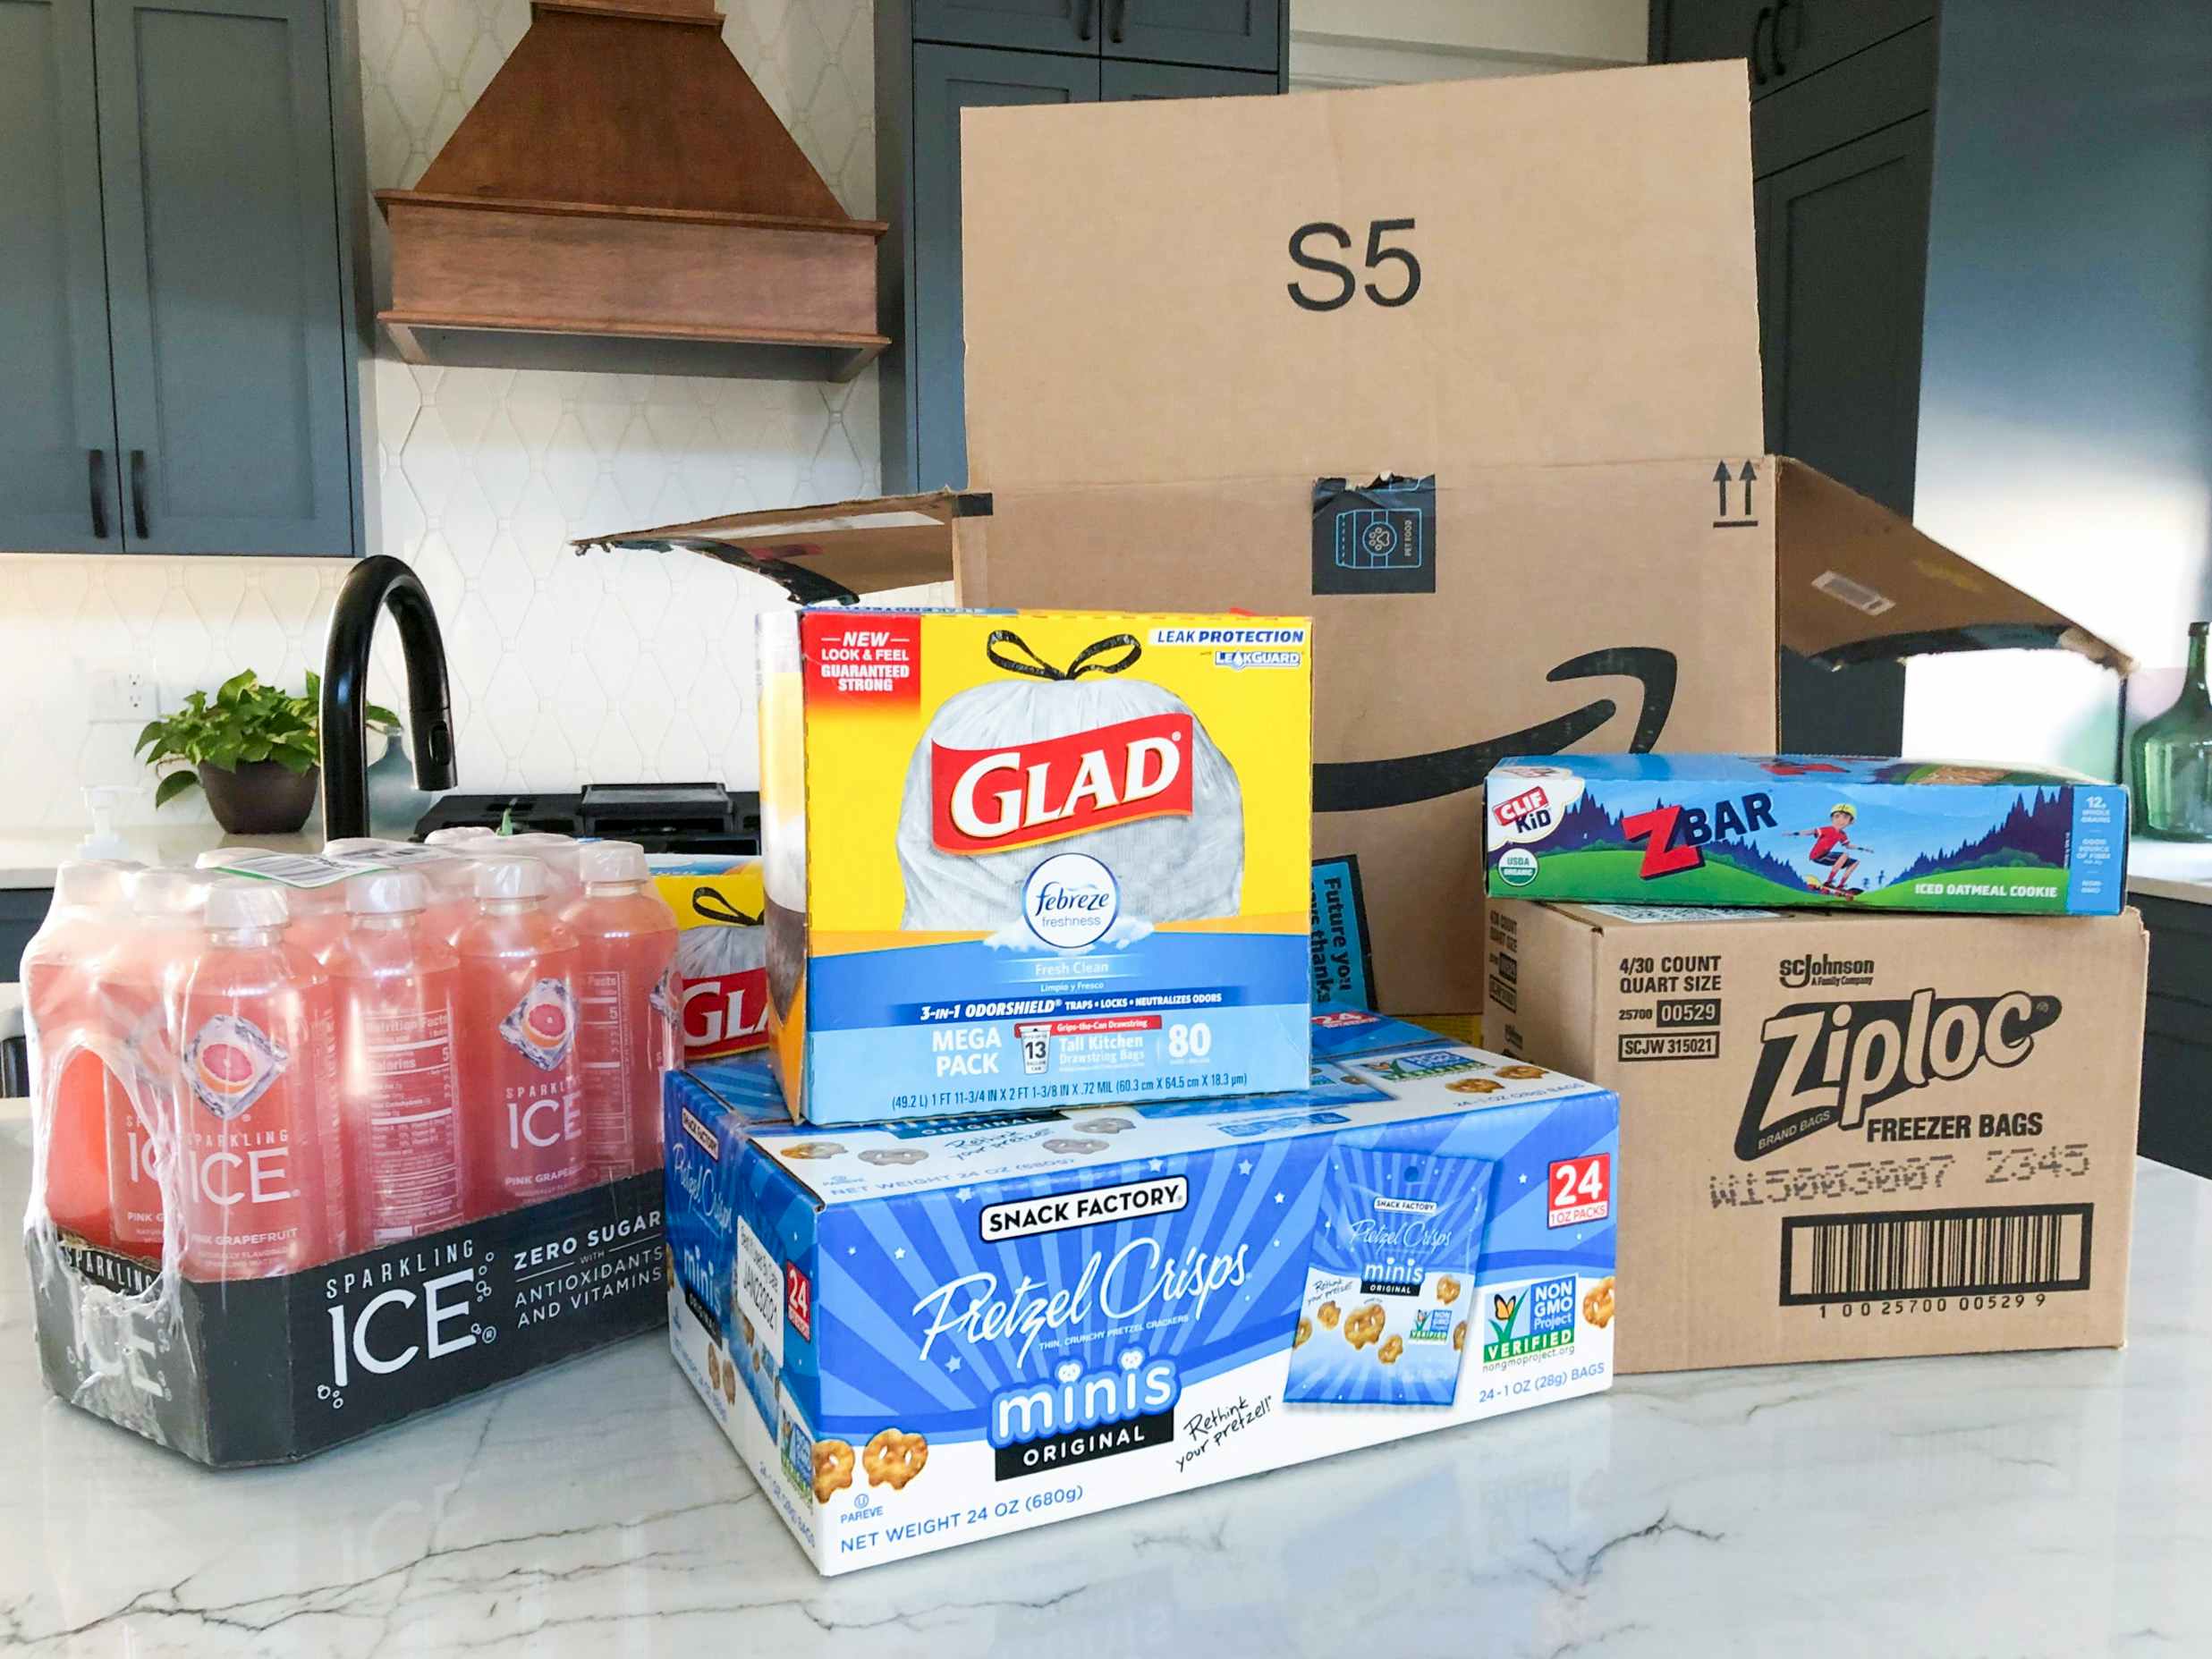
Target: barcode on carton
[[1856, 594], [1842, 1258]]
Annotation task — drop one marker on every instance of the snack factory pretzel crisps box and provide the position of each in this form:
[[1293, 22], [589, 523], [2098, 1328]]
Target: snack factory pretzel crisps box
[[1027, 859], [1806, 831], [1184, 385], [1854, 1135], [919, 1334]]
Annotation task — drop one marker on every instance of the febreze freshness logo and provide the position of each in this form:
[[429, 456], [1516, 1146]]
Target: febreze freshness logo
[[1823, 1064], [989, 799]]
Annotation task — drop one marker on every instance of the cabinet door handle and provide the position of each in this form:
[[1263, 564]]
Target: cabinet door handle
[[138, 495], [96, 465], [1774, 40], [1117, 20], [1084, 9], [1759, 26]]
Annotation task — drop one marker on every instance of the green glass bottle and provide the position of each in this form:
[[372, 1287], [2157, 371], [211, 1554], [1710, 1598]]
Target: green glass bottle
[[2170, 760]]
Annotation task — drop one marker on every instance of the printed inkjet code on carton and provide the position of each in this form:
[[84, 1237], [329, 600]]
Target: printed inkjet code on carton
[[1022, 859]]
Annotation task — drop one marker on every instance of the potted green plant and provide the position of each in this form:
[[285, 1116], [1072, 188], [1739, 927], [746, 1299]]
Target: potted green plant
[[254, 750]]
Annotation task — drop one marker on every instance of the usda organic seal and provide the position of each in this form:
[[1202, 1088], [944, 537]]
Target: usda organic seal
[[1071, 899], [1517, 866]]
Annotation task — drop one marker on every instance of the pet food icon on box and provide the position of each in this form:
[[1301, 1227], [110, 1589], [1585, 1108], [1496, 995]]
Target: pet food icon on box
[[1788, 831], [1015, 859]]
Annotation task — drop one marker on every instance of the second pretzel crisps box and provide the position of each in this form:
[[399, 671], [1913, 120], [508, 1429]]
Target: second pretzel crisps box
[[921, 1334], [1031, 858], [1854, 1136]]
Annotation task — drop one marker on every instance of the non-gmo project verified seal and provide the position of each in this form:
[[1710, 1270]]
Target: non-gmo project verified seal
[[1534, 1320]]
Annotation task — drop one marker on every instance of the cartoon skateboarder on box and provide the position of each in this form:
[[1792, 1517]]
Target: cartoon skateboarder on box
[[1833, 849]]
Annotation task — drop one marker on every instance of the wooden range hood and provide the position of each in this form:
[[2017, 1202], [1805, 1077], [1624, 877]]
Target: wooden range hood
[[623, 198]]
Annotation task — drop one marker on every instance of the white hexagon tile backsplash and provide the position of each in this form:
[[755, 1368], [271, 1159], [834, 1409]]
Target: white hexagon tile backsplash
[[612, 667]]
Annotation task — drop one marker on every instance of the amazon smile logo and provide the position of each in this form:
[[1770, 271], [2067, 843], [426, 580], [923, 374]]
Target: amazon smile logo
[[1365, 785]]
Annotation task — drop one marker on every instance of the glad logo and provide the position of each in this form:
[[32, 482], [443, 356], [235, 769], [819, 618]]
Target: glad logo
[[724, 1013], [987, 799]]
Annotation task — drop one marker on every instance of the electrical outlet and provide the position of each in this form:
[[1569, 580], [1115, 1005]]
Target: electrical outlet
[[125, 696]]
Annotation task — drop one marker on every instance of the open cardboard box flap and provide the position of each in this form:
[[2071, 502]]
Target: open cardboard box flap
[[1855, 582]]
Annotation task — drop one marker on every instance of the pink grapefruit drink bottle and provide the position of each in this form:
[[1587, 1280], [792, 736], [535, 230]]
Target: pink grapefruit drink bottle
[[518, 1059], [455, 883], [260, 1185], [68, 1080], [398, 988], [559, 853], [451, 900], [137, 989], [625, 1034]]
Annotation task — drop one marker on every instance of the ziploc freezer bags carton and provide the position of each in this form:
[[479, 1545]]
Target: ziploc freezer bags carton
[[919, 1334], [1028, 859], [1806, 831]]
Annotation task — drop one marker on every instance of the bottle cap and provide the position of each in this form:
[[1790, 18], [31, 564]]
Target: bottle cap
[[385, 892], [611, 861], [348, 846], [509, 878], [95, 883], [459, 835], [558, 852], [237, 905], [166, 893]]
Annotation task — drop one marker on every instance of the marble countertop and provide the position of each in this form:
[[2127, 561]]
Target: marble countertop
[[29, 856], [2018, 1505], [2171, 869]]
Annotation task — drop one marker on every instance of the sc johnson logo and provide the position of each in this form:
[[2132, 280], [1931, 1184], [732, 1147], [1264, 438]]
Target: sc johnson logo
[[1798, 972], [1823, 1064], [987, 799]]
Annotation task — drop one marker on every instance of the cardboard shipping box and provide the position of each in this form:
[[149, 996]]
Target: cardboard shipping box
[[1853, 1136], [1533, 304]]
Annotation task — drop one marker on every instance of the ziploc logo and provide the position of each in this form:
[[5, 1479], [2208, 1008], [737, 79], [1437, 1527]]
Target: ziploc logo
[[1534, 1320], [1077, 1416]]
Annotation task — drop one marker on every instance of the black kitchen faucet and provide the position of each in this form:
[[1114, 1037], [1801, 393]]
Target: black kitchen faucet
[[377, 582]]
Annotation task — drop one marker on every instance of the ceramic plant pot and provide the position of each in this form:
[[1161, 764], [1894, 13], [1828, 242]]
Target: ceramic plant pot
[[260, 797]]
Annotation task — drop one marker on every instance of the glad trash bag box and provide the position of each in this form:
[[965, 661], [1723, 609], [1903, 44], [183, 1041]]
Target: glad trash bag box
[[1028, 859], [721, 951], [919, 1334]]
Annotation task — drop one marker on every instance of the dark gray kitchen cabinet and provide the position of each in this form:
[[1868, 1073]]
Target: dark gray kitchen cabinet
[[57, 412], [935, 58], [1214, 34], [1032, 25], [1782, 40], [1120, 80], [948, 79], [195, 239]]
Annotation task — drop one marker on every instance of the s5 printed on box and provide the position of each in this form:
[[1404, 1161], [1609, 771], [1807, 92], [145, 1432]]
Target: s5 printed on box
[[919, 1333], [1027, 859], [1805, 830]]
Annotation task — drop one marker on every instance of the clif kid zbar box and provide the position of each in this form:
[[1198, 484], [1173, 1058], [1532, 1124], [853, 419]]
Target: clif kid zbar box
[[1028, 859], [922, 1334], [1802, 831]]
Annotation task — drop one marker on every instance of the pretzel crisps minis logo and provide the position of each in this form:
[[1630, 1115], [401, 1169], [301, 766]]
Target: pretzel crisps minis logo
[[985, 801]]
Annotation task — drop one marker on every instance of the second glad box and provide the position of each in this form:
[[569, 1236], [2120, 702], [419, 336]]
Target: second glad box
[[922, 1334], [1854, 1136], [1026, 859]]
